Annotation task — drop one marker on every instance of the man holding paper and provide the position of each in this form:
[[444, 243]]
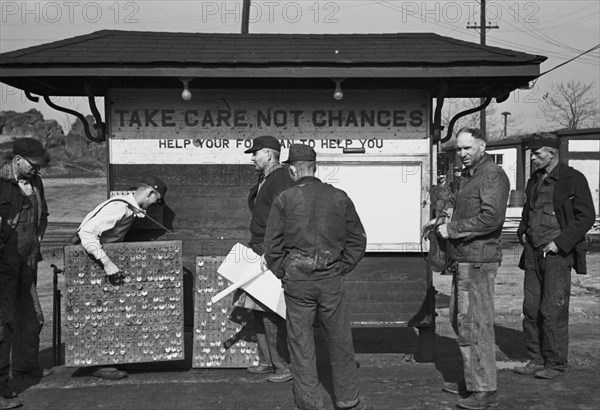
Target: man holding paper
[[271, 329], [314, 237]]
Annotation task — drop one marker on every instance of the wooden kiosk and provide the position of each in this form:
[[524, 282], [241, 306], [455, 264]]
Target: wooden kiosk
[[363, 101]]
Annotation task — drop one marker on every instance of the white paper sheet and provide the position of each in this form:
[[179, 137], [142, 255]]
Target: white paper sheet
[[242, 262]]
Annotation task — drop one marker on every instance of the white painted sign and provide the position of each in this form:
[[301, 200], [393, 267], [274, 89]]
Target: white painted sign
[[231, 151], [386, 199], [285, 114], [367, 144]]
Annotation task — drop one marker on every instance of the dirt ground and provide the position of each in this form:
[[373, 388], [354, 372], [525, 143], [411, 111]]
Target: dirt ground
[[391, 378]]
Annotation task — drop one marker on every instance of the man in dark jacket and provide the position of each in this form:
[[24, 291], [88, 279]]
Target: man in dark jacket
[[556, 216], [315, 237], [24, 218], [477, 211], [271, 329]]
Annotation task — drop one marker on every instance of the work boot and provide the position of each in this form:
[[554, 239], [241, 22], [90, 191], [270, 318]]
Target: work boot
[[455, 388], [479, 400], [529, 369], [7, 392], [109, 373], [9, 404], [260, 369], [280, 378], [547, 373]]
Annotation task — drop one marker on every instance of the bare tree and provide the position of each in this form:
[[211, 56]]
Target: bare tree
[[571, 105]]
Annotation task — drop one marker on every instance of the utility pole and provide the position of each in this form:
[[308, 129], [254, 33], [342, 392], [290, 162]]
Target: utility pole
[[482, 29], [245, 16], [505, 114]]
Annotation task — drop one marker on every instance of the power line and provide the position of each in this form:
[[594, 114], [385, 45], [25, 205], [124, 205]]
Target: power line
[[568, 61]]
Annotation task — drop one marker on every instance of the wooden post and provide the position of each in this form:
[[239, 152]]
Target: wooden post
[[245, 16]]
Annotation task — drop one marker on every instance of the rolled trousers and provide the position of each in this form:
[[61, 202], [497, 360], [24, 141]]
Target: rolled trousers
[[304, 300], [276, 340], [547, 290], [472, 316]]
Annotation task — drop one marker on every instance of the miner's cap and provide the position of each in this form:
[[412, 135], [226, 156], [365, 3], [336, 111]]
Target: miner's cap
[[545, 139], [301, 152], [155, 183], [264, 141], [32, 150]]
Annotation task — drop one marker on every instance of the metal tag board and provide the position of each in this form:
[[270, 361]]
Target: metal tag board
[[136, 322], [224, 336]]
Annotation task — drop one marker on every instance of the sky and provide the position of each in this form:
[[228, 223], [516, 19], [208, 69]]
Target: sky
[[559, 30]]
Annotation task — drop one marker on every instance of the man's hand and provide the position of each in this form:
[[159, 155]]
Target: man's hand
[[443, 231], [263, 263], [431, 223], [523, 239], [109, 267], [550, 248]]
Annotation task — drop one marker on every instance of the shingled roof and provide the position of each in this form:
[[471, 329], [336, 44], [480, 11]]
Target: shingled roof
[[111, 54], [136, 47]]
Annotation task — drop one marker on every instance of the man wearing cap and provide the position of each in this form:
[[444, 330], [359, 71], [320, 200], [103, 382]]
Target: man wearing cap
[[315, 237], [271, 328], [558, 212], [24, 218], [109, 223]]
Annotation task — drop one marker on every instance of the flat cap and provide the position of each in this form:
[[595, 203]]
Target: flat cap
[[545, 139], [32, 150], [155, 183], [301, 152], [264, 141]]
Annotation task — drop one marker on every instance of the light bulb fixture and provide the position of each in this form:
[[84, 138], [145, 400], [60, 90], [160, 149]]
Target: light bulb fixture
[[186, 94], [338, 94]]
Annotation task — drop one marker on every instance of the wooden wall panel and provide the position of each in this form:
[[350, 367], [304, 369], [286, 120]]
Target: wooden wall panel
[[206, 206]]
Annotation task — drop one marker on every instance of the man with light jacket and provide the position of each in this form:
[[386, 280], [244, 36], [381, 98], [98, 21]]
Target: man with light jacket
[[473, 226]]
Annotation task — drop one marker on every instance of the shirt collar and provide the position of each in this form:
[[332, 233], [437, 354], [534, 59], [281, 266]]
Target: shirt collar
[[307, 180], [468, 172], [271, 169], [553, 173]]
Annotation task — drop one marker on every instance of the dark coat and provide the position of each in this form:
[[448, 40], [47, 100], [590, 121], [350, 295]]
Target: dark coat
[[260, 202], [11, 202], [573, 207], [313, 232]]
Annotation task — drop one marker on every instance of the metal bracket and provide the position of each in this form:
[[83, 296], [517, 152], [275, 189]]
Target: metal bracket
[[86, 126], [487, 102], [99, 125]]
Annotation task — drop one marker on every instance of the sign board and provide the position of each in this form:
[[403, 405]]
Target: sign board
[[224, 336], [138, 321], [373, 144], [216, 126]]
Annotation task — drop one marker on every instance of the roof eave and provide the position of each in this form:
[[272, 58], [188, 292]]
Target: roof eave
[[322, 71]]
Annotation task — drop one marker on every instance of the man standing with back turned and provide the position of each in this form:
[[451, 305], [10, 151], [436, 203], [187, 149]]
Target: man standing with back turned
[[314, 237], [476, 215], [557, 214]]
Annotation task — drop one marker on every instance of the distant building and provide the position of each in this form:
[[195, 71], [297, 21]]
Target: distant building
[[578, 148]]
